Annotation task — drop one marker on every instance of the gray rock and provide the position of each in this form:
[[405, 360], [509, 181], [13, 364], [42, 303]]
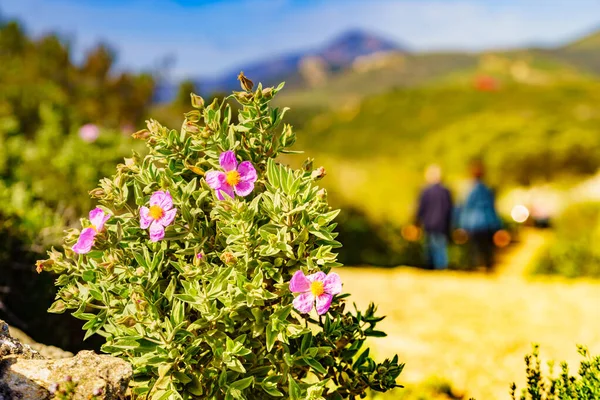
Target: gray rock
[[45, 350], [27, 375]]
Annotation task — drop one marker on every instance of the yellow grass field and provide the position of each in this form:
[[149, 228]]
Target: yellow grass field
[[473, 329]]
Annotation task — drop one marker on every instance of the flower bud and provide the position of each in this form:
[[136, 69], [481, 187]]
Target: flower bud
[[97, 193], [197, 101], [288, 137], [142, 134], [206, 133], [193, 116], [307, 165], [127, 321], [191, 127], [318, 173], [243, 97], [322, 194], [198, 258], [246, 83], [228, 258], [41, 264], [268, 93]]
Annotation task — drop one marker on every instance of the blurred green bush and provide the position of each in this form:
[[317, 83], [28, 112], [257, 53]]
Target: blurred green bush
[[47, 168], [573, 252], [44, 183], [40, 71]]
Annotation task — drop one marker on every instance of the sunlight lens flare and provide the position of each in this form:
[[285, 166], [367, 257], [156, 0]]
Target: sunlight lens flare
[[519, 213]]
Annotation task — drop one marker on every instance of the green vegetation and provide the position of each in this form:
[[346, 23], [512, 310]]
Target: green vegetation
[[584, 386], [573, 251], [377, 149], [194, 283], [46, 168]]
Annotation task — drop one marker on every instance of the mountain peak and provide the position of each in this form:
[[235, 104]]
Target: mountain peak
[[354, 43]]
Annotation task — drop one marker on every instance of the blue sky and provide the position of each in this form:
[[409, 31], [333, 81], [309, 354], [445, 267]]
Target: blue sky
[[212, 37]]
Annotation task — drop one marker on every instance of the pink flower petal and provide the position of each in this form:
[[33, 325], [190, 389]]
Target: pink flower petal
[[157, 232], [89, 132], [162, 199], [145, 219], [304, 302], [98, 218], [168, 217], [102, 222], [319, 276], [215, 179], [228, 161], [332, 283], [225, 189], [323, 303], [247, 172], [85, 242], [244, 188], [299, 283]]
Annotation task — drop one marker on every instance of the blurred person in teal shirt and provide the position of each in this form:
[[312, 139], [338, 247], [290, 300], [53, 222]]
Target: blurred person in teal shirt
[[478, 217]]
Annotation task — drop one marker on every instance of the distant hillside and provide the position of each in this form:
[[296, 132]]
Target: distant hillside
[[376, 149], [583, 53], [336, 55], [589, 42], [358, 64]]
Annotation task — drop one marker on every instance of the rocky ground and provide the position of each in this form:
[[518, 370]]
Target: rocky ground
[[26, 374]]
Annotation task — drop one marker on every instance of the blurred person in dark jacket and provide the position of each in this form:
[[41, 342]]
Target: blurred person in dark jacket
[[478, 217], [434, 215]]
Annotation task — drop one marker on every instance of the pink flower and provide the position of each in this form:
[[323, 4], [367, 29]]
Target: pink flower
[[89, 133], [239, 179], [88, 235], [316, 289], [160, 215]]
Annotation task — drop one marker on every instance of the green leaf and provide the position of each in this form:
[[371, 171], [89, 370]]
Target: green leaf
[[242, 383], [315, 365], [361, 359], [295, 392], [89, 276], [181, 377], [271, 389], [271, 336], [306, 342]]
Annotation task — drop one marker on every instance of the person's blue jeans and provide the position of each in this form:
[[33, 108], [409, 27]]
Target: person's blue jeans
[[437, 250]]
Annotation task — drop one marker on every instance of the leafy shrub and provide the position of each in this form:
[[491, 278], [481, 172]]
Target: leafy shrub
[[573, 252], [585, 386], [193, 285], [44, 184]]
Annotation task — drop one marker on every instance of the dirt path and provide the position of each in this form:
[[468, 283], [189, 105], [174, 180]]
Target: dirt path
[[474, 329], [517, 260]]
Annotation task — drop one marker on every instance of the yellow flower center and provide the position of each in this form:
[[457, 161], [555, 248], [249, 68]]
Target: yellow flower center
[[232, 178], [94, 228], [317, 288], [156, 212]]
